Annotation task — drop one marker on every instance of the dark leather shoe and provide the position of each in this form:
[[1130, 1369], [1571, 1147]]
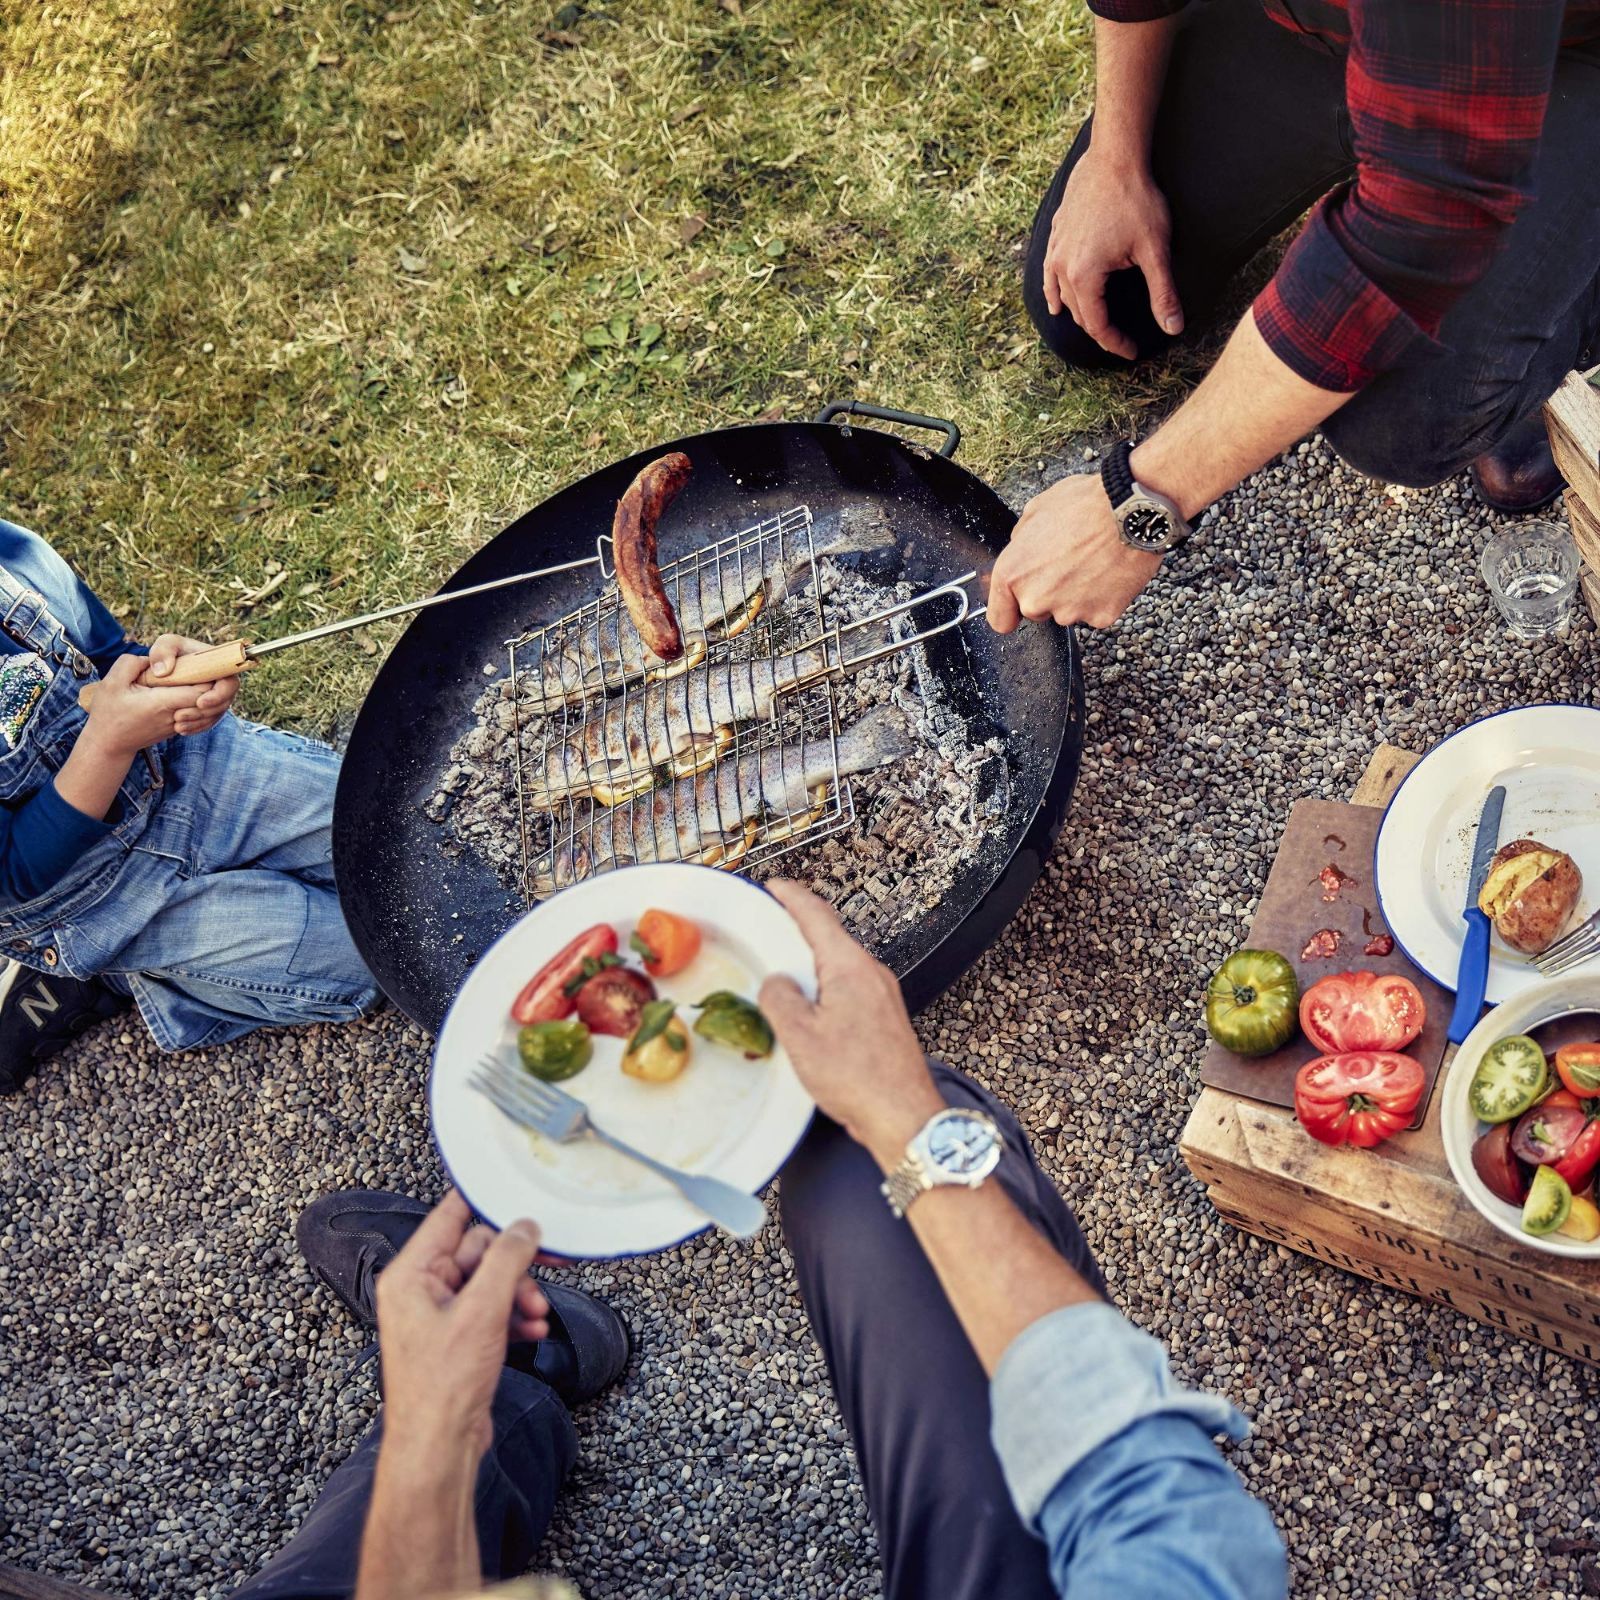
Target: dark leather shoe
[[1520, 473], [348, 1238]]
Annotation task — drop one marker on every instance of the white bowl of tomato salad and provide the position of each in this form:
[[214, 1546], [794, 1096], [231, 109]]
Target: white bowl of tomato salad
[[1525, 1149]]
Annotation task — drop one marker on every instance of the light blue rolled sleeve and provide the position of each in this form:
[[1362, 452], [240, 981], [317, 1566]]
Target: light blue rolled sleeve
[[1112, 1464]]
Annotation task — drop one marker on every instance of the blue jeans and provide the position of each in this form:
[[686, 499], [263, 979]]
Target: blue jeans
[[219, 915]]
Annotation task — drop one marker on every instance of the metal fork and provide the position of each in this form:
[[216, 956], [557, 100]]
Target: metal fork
[[1571, 948], [557, 1115]]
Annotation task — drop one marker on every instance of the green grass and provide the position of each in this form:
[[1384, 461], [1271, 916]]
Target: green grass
[[319, 295]]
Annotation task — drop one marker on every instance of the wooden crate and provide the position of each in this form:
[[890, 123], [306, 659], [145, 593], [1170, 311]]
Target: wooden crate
[[1572, 418], [1393, 1214], [1585, 526]]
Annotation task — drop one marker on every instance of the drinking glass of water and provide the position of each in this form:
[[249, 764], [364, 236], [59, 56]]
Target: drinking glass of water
[[1532, 572]]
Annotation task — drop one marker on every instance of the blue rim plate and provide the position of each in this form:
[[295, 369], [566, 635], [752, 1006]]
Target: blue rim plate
[[739, 1120], [1548, 758]]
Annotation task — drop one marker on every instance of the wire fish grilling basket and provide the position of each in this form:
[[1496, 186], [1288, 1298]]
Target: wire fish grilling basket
[[730, 756]]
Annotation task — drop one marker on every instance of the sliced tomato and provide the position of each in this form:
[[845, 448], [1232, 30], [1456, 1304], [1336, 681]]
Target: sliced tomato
[[666, 943], [1357, 1097], [612, 1000], [1578, 1165], [1362, 1011], [544, 997], [1578, 1066], [1548, 1135], [1498, 1167]]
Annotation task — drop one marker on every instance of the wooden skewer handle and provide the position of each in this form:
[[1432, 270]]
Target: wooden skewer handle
[[203, 666]]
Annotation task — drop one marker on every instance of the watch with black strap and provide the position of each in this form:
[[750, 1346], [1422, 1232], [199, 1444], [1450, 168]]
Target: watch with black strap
[[1149, 521]]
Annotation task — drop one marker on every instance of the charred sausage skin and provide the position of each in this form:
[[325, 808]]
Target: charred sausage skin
[[633, 536]]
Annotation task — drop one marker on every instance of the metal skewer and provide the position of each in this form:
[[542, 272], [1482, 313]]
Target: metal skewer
[[230, 659]]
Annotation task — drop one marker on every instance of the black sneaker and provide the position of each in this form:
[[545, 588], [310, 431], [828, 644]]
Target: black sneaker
[[42, 1013], [348, 1238]]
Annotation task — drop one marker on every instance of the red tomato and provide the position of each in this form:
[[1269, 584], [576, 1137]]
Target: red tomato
[[1362, 1011], [1358, 1097], [666, 943], [1579, 1068], [1493, 1161], [1548, 1135], [610, 1002], [1579, 1163], [543, 998]]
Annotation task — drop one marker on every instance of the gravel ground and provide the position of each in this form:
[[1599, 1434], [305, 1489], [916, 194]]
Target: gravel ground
[[173, 1389]]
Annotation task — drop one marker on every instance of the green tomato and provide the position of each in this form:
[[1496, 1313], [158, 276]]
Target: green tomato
[[728, 1019], [555, 1050], [1509, 1079], [1549, 1202], [1252, 1003]]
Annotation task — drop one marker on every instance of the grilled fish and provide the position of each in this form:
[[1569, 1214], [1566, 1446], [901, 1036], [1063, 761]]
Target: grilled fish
[[716, 817], [595, 656], [684, 721]]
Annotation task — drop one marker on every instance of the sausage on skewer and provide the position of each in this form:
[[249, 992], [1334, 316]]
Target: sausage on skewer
[[633, 537]]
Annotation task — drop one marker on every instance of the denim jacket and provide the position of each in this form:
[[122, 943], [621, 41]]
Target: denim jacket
[[50, 853]]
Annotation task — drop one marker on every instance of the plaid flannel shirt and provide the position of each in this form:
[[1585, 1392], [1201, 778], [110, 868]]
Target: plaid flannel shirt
[[1447, 102]]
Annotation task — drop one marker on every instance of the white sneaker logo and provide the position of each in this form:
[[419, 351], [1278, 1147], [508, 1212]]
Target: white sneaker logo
[[39, 1005]]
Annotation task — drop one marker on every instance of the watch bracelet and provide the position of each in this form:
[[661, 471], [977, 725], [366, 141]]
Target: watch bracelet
[[901, 1187]]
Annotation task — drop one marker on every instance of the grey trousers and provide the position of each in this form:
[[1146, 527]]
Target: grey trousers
[[945, 1523]]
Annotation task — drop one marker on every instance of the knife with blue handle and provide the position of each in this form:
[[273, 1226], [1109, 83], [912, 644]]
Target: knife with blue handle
[[1472, 978]]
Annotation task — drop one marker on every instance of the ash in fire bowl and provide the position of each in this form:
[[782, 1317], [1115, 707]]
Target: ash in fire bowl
[[919, 820]]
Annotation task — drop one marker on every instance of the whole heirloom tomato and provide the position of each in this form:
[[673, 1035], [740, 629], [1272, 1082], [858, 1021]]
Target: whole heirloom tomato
[[1358, 1097], [1250, 1002], [1362, 1011]]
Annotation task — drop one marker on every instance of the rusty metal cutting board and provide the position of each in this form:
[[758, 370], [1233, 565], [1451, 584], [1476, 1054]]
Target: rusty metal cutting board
[[1297, 904]]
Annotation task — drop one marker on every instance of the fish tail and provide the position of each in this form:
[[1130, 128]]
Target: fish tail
[[878, 737]]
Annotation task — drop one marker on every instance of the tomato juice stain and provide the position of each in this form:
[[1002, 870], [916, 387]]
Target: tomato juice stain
[[1333, 880]]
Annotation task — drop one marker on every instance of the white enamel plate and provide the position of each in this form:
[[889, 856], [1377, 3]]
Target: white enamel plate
[[1548, 758], [736, 1119]]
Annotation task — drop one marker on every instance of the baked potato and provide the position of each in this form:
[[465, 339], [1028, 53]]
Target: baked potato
[[1529, 893]]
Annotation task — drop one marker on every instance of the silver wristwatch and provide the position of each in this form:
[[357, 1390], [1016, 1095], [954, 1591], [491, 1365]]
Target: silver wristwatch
[[1148, 521], [961, 1147]]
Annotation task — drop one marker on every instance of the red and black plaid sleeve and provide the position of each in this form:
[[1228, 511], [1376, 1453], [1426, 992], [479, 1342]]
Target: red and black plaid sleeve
[[1447, 102], [1136, 10]]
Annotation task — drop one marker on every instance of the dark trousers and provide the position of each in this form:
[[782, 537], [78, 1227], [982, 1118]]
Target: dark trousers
[[1252, 129], [534, 1447], [913, 1395]]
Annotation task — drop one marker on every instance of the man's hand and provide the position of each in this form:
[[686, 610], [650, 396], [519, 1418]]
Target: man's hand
[[853, 1048], [447, 1305], [1067, 561], [1111, 216], [214, 698]]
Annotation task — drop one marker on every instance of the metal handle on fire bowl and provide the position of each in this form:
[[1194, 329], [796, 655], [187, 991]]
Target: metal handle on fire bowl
[[903, 419]]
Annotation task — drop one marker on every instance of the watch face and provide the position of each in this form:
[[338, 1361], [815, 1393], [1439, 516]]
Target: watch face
[[1147, 526], [959, 1145]]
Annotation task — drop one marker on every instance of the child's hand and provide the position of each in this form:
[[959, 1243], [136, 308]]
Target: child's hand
[[128, 716], [212, 706]]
